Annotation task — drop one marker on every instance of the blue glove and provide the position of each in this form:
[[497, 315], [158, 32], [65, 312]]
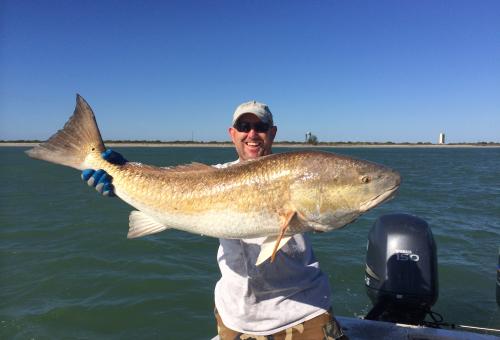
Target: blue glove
[[100, 179], [113, 157]]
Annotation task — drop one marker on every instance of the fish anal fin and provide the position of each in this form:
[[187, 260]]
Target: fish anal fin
[[141, 224], [267, 248]]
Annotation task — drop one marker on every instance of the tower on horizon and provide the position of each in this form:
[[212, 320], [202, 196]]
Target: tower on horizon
[[441, 138], [308, 136]]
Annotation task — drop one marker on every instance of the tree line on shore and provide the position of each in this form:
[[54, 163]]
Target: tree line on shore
[[309, 142]]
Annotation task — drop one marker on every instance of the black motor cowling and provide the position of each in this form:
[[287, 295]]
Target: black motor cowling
[[401, 269]]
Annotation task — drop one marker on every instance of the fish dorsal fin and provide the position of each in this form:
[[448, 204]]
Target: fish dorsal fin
[[190, 167], [194, 167], [141, 224], [267, 248]]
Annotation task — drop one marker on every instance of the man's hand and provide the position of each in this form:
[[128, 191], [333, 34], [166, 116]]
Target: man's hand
[[100, 179]]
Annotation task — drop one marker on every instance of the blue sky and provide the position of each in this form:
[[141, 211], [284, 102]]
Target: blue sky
[[400, 71]]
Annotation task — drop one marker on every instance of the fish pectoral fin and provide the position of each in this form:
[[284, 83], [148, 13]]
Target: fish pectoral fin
[[272, 244], [141, 224], [287, 218], [268, 247]]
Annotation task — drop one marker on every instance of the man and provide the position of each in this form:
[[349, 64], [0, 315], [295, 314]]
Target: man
[[286, 299]]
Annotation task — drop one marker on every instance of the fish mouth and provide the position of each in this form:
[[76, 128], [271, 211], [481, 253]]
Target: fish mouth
[[393, 180], [385, 196]]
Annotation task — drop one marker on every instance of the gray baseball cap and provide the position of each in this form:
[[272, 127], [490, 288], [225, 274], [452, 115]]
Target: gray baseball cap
[[259, 109]]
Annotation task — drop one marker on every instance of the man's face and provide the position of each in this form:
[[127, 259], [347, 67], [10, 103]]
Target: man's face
[[252, 144]]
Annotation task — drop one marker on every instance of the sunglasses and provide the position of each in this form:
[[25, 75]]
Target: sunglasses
[[246, 127]]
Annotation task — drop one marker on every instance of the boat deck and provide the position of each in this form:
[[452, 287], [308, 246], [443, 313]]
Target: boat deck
[[360, 329]]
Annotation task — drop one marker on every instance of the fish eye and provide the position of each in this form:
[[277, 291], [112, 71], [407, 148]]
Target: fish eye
[[365, 179]]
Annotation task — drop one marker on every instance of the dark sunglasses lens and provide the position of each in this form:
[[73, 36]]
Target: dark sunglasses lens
[[243, 127], [246, 127], [261, 127]]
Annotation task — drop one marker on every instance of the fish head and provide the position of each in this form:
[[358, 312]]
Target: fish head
[[335, 190]]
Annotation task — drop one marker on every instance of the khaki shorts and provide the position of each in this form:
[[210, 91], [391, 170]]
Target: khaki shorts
[[322, 327]]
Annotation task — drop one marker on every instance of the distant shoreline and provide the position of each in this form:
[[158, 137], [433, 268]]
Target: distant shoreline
[[277, 144]]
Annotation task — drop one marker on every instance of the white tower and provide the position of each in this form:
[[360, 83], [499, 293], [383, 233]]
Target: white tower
[[441, 138]]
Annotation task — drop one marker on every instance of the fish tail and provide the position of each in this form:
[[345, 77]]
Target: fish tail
[[78, 138]]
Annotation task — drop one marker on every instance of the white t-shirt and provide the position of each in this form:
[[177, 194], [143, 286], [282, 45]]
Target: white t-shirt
[[271, 297]]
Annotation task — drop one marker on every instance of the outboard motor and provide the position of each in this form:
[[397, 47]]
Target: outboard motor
[[401, 269]]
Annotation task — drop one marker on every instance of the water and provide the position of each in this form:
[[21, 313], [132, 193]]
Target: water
[[68, 271]]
